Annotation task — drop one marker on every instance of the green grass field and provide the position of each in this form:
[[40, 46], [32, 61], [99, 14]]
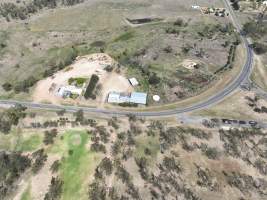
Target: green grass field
[[78, 163]]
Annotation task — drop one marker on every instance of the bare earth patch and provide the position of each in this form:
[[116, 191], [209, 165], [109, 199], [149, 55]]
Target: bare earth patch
[[85, 66]]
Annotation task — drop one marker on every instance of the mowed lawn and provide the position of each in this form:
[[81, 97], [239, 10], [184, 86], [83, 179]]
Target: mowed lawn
[[78, 165]]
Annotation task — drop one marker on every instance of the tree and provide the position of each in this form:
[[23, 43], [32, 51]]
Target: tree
[[49, 136], [55, 166], [106, 165], [11, 117], [97, 191], [40, 159], [61, 112], [55, 189], [235, 4], [79, 116]]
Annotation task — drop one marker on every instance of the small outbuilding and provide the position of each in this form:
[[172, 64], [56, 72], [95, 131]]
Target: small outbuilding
[[133, 81]]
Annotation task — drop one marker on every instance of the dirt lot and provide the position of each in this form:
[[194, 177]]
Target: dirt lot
[[85, 67]]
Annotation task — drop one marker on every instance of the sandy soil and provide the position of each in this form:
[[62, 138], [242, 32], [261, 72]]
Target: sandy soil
[[39, 183], [235, 106], [85, 66]]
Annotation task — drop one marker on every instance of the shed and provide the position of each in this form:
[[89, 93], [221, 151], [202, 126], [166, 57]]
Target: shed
[[133, 81]]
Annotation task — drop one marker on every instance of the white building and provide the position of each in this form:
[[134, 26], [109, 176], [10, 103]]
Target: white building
[[66, 91], [133, 81], [135, 97]]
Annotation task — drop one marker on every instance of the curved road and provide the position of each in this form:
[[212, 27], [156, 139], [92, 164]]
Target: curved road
[[235, 84]]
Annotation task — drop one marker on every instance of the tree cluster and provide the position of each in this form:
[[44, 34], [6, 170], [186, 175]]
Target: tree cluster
[[11, 117], [12, 166], [14, 11]]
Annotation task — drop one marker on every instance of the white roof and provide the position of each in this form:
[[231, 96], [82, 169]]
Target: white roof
[[133, 81], [69, 89], [138, 97], [135, 97]]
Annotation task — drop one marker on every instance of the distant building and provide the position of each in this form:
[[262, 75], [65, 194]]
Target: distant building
[[66, 91], [133, 81], [134, 97]]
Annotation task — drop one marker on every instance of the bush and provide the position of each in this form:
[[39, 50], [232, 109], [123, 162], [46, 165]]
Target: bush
[[91, 87], [7, 86], [49, 136], [154, 79], [179, 22]]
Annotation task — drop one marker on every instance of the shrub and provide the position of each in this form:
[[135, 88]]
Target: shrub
[[128, 104], [7, 86], [179, 22], [154, 79], [91, 87], [98, 44], [259, 48]]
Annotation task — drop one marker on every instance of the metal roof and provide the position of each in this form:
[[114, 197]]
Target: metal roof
[[135, 97], [138, 97]]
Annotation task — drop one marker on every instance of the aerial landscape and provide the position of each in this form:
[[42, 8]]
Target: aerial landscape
[[133, 99]]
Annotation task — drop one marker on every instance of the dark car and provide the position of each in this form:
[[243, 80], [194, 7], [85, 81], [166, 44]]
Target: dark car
[[242, 122]]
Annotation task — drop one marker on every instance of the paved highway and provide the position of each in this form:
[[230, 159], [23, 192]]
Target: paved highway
[[235, 84]]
